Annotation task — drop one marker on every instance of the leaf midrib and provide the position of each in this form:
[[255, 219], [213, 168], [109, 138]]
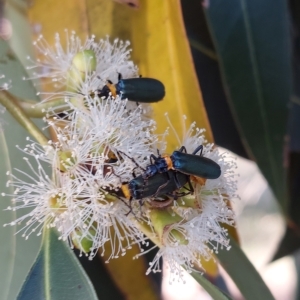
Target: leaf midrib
[[258, 88]]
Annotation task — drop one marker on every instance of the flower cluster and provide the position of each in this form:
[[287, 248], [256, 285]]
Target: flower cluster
[[82, 181]]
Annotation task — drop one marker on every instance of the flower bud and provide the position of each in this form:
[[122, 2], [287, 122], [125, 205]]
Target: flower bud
[[81, 241], [83, 64], [57, 201], [65, 160], [85, 61], [165, 223]]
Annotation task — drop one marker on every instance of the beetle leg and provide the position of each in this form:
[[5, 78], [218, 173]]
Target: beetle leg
[[182, 194], [141, 203], [154, 158], [173, 195], [162, 204], [177, 195], [190, 186], [198, 149], [128, 205], [159, 189], [162, 186], [178, 186], [182, 149], [113, 172], [145, 181], [119, 76], [130, 208], [190, 189], [133, 160], [133, 173]]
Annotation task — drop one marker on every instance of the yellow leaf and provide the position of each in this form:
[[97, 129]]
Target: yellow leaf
[[54, 16], [231, 230], [210, 267], [129, 275], [161, 50]]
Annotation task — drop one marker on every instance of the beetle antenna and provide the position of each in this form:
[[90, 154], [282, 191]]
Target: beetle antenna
[[128, 205], [199, 148], [133, 160]]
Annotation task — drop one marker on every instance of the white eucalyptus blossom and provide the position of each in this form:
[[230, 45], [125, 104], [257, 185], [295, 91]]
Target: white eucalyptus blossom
[[98, 129], [80, 162], [185, 240], [183, 246], [76, 208], [57, 62], [80, 69], [91, 156], [100, 145]]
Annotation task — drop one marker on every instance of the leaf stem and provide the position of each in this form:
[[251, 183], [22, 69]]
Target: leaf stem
[[204, 49], [243, 273], [35, 109], [149, 233], [211, 289], [11, 103]]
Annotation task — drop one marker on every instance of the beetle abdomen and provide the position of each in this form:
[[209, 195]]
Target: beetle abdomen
[[195, 165], [144, 90], [157, 185]]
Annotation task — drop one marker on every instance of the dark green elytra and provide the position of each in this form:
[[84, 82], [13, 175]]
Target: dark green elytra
[[195, 165], [145, 90], [157, 185]]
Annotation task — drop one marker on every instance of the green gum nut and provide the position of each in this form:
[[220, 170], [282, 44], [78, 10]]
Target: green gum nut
[[57, 202], [82, 243], [66, 160], [188, 202], [162, 220], [96, 149], [84, 63], [177, 236], [110, 198]]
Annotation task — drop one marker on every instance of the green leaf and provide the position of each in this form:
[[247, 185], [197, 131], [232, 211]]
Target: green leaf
[[290, 242], [252, 42], [7, 249], [56, 274], [20, 41], [212, 290], [16, 254], [207, 68], [13, 70], [242, 272], [202, 48]]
